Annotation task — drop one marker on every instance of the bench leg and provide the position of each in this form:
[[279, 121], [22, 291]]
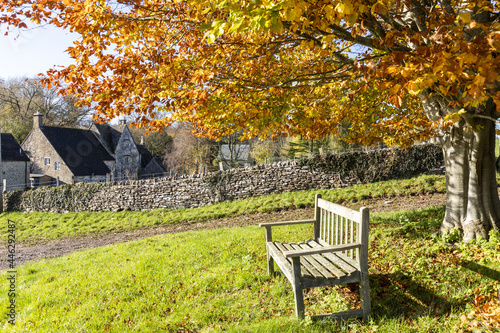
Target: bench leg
[[270, 264], [365, 296], [270, 260], [297, 289]]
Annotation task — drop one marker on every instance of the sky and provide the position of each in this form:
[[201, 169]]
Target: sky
[[33, 51]]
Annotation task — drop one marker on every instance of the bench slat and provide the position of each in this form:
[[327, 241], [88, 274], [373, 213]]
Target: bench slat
[[320, 250], [324, 273], [351, 238], [282, 248], [275, 224], [308, 282], [338, 260], [308, 269], [340, 210], [346, 258], [327, 268], [284, 264]]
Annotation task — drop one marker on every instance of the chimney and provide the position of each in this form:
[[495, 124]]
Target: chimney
[[123, 121], [142, 139], [37, 120]]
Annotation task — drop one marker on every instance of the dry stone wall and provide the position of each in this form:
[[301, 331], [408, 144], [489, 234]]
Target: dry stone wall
[[320, 172], [172, 192]]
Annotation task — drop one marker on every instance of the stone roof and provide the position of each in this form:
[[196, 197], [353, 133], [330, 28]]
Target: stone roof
[[11, 150], [80, 150], [159, 160], [116, 132], [110, 135], [103, 131], [146, 156]]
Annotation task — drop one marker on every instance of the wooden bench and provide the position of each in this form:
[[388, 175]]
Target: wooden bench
[[338, 254]]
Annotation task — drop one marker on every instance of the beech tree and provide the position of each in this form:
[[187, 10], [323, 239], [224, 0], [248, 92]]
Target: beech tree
[[396, 70]]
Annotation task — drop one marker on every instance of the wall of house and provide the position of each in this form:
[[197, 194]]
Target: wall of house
[[37, 147], [16, 173], [127, 161], [43, 181]]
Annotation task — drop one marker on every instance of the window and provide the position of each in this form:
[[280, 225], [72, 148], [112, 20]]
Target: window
[[126, 159], [57, 165], [47, 160], [126, 142]]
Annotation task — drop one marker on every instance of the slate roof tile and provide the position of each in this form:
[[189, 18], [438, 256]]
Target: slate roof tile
[[11, 150], [80, 150], [146, 156]]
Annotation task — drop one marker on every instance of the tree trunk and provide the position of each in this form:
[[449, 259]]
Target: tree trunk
[[472, 201]]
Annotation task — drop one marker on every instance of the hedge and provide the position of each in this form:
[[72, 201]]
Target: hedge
[[379, 165]]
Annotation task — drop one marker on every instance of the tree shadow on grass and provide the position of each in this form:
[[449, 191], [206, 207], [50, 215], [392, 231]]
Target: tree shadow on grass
[[399, 296], [483, 270]]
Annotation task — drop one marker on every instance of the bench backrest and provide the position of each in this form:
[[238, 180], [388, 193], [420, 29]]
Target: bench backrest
[[338, 225]]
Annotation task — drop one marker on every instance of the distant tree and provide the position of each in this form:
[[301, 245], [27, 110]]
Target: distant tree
[[187, 153], [268, 150], [232, 150], [342, 141], [21, 98], [156, 142], [300, 147]]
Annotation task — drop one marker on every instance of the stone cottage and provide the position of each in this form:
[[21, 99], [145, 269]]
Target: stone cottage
[[98, 154], [15, 164], [66, 155], [131, 160]]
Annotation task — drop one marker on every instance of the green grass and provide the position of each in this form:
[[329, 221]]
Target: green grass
[[215, 280], [32, 227]]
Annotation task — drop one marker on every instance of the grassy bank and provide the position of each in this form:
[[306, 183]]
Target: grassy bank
[[32, 227], [215, 280]]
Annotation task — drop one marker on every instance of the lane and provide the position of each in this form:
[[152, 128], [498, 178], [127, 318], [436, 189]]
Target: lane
[[60, 247]]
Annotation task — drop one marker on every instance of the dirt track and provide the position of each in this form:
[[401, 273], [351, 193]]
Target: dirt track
[[56, 248]]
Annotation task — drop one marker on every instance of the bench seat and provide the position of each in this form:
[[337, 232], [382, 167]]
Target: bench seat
[[317, 270]]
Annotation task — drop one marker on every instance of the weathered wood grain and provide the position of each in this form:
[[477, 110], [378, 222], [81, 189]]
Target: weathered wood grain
[[318, 250], [274, 224]]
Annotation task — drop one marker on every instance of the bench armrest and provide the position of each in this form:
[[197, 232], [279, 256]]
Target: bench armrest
[[274, 224], [319, 250]]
